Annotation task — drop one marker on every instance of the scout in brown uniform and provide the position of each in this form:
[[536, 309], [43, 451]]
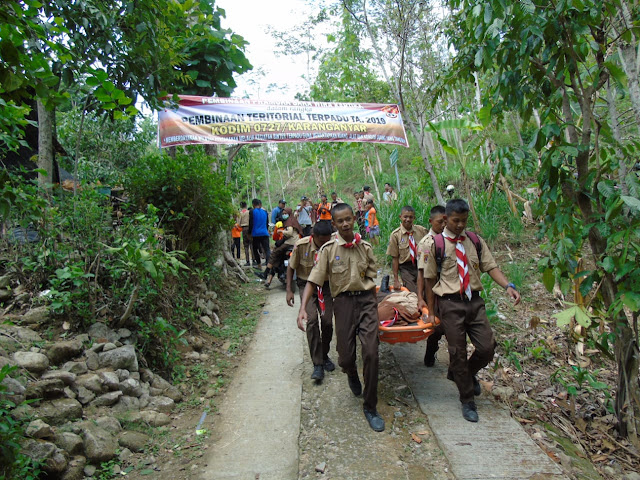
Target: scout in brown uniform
[[318, 335], [436, 220], [403, 248], [243, 220], [348, 263], [456, 289]]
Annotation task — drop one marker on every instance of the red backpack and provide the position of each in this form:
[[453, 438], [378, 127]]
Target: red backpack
[[439, 243]]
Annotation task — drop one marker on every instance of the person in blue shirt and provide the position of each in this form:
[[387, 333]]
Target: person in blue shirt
[[276, 213], [259, 228]]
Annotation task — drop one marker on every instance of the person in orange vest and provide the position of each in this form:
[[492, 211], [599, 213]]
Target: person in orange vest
[[324, 209], [236, 233], [372, 223]]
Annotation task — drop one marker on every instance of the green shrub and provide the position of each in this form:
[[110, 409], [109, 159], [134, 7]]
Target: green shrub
[[193, 203]]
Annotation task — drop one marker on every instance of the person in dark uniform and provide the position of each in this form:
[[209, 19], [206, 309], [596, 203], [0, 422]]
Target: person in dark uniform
[[456, 292], [403, 248], [319, 334], [348, 263]]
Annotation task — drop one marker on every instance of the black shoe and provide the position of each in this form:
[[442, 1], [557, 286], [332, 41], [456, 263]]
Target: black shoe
[[255, 262], [469, 412], [384, 284], [355, 385], [262, 275], [329, 365], [429, 359], [318, 373], [247, 263], [376, 422], [477, 389], [267, 285]]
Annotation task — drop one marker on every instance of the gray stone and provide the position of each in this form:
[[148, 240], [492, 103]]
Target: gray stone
[[83, 337], [160, 404], [124, 333], [173, 393], [321, 467], [123, 357], [155, 419], [160, 383], [62, 351], [631, 476], [135, 375], [122, 374], [69, 442], [106, 399], [36, 315], [59, 411], [23, 412], [125, 455], [146, 375], [5, 294], [14, 392], [155, 392], [127, 403], [34, 362], [110, 424], [97, 347], [89, 470], [68, 393], [75, 469], [90, 381], [503, 393], [77, 368], [56, 463], [131, 387], [110, 380], [67, 377], [38, 450], [22, 334], [144, 400], [98, 331], [134, 441], [38, 429], [47, 389], [85, 395], [6, 361], [108, 347], [93, 361], [5, 280], [99, 445]]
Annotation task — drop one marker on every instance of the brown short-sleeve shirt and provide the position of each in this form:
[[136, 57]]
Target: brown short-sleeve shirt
[[244, 218], [424, 247], [347, 269], [302, 257], [399, 242], [449, 281]]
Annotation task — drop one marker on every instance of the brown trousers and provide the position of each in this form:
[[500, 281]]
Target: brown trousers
[[409, 273], [319, 333], [459, 319], [357, 316]]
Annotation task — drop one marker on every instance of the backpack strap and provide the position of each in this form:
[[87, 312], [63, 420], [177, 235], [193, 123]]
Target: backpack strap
[[438, 240], [476, 241]]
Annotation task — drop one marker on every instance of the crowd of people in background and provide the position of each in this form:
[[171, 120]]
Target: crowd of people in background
[[255, 228]]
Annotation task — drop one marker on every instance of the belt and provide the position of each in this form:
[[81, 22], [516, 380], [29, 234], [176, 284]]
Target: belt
[[456, 297], [354, 293]]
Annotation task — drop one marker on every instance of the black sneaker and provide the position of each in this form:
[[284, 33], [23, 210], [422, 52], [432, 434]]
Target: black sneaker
[[384, 284], [429, 359], [469, 412], [318, 373], [247, 263], [477, 389], [376, 422], [355, 385], [329, 365]]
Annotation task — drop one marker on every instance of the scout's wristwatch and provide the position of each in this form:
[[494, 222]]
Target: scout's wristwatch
[[510, 285]]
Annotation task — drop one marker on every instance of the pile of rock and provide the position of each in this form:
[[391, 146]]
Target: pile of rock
[[74, 380]]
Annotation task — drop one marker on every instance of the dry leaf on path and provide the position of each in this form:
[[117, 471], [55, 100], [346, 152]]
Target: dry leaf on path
[[416, 438]]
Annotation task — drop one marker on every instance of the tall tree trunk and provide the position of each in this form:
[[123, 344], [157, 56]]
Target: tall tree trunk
[[615, 128], [212, 150], [630, 59], [267, 177], [231, 154], [377, 152], [517, 126], [45, 144]]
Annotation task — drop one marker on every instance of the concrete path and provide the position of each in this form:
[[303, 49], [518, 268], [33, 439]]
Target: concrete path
[[496, 447], [256, 434]]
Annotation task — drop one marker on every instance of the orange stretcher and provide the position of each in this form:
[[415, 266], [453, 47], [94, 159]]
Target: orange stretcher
[[412, 333]]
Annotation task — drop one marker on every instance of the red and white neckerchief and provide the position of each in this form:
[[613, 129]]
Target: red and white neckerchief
[[463, 264], [388, 323], [356, 241], [318, 287], [413, 250]]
